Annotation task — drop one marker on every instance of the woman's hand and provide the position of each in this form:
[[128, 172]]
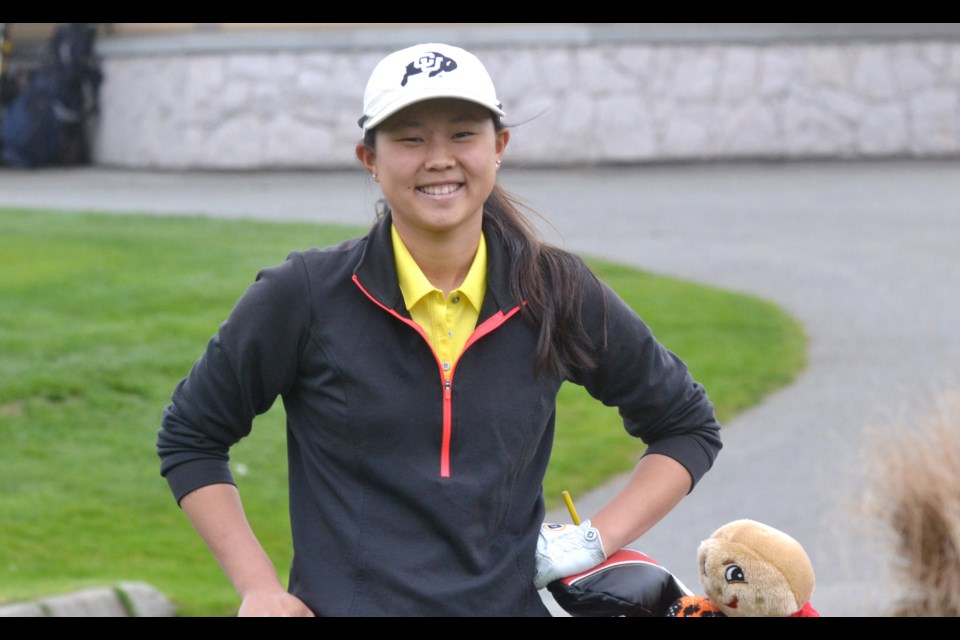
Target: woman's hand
[[276, 603]]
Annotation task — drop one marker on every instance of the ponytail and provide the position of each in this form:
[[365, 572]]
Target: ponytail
[[553, 283]]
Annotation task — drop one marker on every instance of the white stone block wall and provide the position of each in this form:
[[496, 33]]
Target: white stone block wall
[[568, 103]]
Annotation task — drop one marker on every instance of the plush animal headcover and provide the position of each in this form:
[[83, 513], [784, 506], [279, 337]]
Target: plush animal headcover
[[751, 569]]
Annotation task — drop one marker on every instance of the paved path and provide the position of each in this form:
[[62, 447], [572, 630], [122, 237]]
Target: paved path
[[864, 254]]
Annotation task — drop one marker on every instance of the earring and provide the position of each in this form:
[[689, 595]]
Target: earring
[[498, 163], [374, 177]]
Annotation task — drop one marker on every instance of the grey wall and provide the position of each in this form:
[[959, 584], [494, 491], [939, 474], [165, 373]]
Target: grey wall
[[576, 92]]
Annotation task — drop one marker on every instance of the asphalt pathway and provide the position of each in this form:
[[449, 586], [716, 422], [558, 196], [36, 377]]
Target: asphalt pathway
[[865, 254]]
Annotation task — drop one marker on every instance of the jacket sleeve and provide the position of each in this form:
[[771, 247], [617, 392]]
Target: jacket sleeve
[[659, 401], [251, 360]]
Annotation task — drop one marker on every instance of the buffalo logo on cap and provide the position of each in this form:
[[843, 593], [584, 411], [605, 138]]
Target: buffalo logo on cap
[[434, 62]]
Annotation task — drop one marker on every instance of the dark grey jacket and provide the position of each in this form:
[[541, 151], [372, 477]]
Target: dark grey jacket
[[409, 496]]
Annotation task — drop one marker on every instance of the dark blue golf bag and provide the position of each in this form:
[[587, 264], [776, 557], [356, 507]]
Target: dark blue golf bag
[[46, 122]]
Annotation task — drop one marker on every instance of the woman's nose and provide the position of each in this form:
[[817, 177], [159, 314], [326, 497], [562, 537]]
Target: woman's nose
[[439, 157]]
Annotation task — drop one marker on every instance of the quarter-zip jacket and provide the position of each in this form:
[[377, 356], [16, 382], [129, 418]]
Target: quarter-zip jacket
[[411, 492]]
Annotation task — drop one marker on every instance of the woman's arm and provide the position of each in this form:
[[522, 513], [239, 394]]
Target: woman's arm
[[664, 406], [657, 485], [217, 514]]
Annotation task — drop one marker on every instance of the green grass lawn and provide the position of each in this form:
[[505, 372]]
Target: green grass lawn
[[101, 316]]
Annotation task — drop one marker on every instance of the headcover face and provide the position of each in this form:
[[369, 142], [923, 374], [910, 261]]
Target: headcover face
[[628, 584]]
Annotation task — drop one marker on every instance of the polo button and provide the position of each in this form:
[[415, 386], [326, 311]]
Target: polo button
[[446, 366], [456, 299]]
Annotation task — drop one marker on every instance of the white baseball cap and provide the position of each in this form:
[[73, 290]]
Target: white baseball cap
[[424, 72]]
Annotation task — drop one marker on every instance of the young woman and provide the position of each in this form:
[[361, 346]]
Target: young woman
[[419, 368]]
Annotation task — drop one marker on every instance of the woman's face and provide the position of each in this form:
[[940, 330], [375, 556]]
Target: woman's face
[[436, 162]]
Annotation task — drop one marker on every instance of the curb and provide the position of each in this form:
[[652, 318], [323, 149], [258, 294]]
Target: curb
[[125, 600]]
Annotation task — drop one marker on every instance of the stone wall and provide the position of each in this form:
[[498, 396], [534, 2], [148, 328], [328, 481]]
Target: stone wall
[[593, 96]]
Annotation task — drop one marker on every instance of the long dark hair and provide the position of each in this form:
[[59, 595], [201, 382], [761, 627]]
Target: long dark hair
[[551, 281]]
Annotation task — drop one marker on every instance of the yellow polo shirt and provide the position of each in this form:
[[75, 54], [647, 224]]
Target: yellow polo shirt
[[447, 321]]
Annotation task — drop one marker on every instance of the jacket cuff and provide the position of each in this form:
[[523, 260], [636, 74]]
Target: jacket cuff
[[689, 452], [190, 476]]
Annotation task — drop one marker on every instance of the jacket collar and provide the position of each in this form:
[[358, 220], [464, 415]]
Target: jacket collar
[[377, 271]]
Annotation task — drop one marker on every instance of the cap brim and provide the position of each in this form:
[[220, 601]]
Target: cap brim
[[372, 121]]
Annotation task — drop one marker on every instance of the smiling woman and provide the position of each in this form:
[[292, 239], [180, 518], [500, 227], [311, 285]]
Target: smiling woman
[[419, 368], [93, 340]]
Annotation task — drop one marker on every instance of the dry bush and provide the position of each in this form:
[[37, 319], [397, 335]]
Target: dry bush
[[915, 491]]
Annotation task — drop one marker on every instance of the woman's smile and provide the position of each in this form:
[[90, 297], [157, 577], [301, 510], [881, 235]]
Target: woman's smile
[[439, 190]]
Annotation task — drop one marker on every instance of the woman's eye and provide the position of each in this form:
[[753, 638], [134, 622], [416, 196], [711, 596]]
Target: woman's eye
[[463, 134]]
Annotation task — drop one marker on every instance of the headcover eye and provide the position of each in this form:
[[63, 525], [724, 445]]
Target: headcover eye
[[734, 573]]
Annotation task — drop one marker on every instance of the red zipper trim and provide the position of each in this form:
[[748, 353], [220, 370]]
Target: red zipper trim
[[486, 327]]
